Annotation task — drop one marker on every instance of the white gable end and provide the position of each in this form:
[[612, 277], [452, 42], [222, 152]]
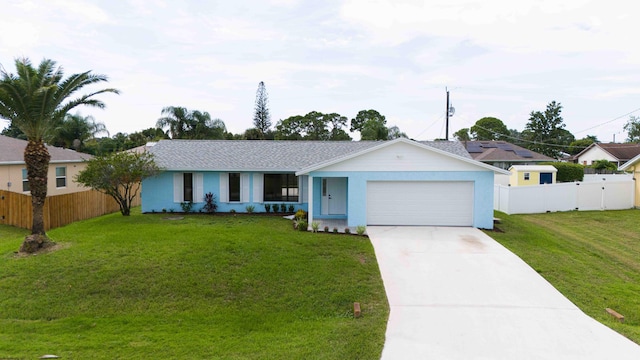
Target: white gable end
[[402, 156], [594, 154]]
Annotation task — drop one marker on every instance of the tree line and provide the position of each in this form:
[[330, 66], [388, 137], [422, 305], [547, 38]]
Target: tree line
[[545, 133], [80, 133]]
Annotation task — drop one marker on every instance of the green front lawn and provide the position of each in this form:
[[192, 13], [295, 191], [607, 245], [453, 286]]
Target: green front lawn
[[205, 287], [593, 258]]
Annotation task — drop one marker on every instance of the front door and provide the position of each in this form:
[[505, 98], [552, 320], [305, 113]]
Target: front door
[[546, 178], [334, 196]]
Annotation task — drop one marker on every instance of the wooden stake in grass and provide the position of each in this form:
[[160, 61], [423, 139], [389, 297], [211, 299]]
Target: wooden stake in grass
[[356, 309], [615, 314]]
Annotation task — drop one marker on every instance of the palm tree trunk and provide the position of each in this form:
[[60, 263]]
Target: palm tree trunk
[[36, 157]]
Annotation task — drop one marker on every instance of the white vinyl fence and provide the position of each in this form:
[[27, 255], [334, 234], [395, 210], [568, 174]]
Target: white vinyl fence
[[582, 196]]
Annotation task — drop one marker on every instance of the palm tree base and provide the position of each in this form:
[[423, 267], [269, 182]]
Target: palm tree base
[[34, 243]]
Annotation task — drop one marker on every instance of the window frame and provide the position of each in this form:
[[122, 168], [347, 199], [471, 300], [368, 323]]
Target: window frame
[[235, 184], [26, 187], [527, 176], [61, 177], [288, 185], [187, 187]]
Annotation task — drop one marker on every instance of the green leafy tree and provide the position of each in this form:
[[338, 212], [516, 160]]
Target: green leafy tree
[[35, 100], [515, 137], [462, 135], [489, 128], [604, 165], [576, 146], [374, 129], [145, 136], [253, 134], [119, 175], [373, 126], [261, 115], [336, 124], [315, 126], [394, 133], [632, 127], [545, 132], [312, 126], [291, 128], [364, 116]]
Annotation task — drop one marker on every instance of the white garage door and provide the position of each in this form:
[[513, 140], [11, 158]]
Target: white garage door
[[420, 203]]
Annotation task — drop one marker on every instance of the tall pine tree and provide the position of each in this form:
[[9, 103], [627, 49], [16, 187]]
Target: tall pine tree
[[261, 116]]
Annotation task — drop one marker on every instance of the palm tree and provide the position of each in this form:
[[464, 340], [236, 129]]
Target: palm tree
[[186, 124], [36, 100], [76, 129], [177, 119]]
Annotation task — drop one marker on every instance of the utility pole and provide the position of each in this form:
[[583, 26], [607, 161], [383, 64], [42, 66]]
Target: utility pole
[[446, 131]]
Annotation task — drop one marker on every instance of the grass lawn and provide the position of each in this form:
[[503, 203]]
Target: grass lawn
[[205, 287], [593, 258]]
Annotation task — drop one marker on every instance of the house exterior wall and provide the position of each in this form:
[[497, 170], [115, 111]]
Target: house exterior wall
[[13, 174], [593, 154], [357, 190], [402, 157], [635, 170], [517, 178], [158, 193]]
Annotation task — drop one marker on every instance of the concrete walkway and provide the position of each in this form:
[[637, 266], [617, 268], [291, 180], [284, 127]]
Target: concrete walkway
[[455, 293]]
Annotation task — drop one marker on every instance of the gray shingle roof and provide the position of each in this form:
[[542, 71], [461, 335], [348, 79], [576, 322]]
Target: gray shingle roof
[[267, 155], [12, 151]]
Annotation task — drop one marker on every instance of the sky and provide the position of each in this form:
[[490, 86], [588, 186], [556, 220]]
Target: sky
[[497, 58]]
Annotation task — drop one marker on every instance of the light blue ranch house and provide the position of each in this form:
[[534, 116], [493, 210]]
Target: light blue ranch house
[[396, 182]]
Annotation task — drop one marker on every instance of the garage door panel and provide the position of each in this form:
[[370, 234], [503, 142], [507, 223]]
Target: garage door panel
[[432, 203]]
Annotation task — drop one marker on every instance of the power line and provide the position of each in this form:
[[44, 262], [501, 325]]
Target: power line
[[555, 145], [609, 121]]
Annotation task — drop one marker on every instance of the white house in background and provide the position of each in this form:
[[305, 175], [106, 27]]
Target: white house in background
[[63, 167], [613, 152]]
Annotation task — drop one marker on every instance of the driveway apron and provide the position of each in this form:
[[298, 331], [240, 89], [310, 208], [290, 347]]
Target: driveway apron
[[455, 293]]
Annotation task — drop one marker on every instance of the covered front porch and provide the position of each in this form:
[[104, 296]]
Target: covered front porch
[[328, 201]]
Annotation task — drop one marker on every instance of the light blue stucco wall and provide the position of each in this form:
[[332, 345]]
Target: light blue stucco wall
[[157, 194], [357, 190]]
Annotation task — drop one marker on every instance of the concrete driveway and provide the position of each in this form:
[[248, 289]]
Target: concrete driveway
[[455, 293]]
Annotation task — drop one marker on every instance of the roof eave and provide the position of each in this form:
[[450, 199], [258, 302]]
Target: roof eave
[[630, 163]]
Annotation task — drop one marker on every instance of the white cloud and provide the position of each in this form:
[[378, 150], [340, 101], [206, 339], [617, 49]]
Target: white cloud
[[523, 26]]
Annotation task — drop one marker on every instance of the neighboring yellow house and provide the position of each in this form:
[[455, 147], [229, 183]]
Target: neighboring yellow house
[[523, 175], [65, 164], [633, 166]]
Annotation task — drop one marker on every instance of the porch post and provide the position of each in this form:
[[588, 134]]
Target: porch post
[[310, 199]]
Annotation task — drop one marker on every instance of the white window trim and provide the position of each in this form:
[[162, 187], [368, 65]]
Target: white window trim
[[198, 188], [61, 177], [25, 179], [258, 185], [178, 187], [245, 191], [224, 187]]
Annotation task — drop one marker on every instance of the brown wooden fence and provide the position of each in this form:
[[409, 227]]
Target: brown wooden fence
[[59, 210]]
